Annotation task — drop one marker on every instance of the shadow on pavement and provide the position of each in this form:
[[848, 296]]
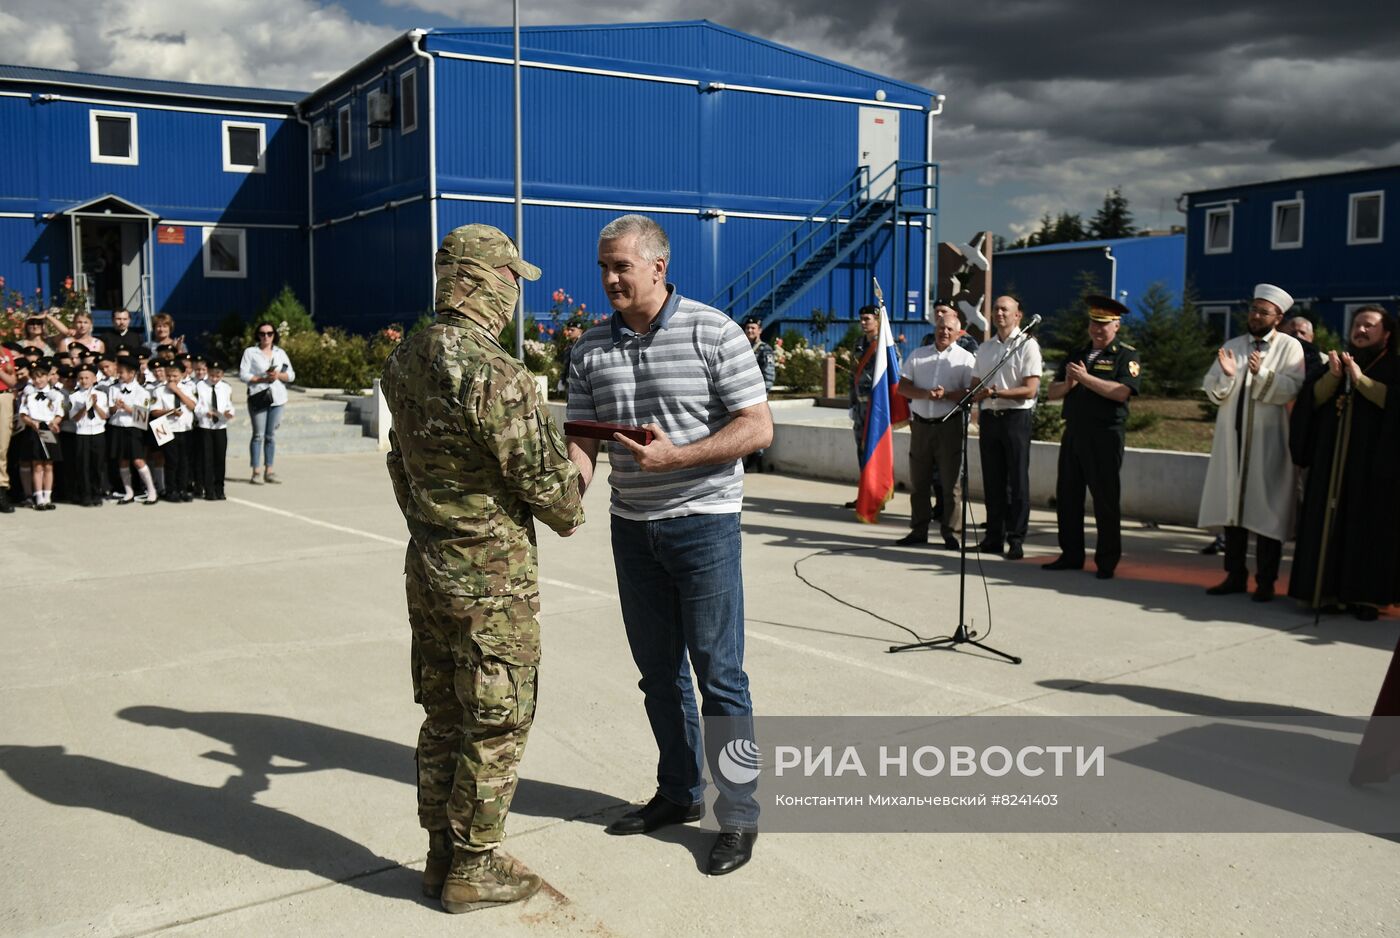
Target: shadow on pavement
[[257, 739], [230, 817], [205, 814]]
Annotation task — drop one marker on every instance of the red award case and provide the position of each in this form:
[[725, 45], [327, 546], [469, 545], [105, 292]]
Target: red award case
[[596, 430]]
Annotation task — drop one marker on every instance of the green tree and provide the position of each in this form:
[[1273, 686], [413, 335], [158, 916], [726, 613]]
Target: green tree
[[1174, 343], [286, 308], [1113, 219]]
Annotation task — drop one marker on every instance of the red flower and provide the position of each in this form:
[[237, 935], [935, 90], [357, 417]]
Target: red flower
[[68, 283]]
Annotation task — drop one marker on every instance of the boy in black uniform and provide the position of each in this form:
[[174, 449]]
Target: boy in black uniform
[[1095, 383]]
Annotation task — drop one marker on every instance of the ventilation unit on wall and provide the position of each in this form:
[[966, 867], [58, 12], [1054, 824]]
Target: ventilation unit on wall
[[322, 140], [380, 106]]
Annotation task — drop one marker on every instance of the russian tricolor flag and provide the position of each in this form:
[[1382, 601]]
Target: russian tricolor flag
[[888, 410]]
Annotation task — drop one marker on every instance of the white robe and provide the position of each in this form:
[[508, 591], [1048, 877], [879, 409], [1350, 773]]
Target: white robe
[[1252, 485]]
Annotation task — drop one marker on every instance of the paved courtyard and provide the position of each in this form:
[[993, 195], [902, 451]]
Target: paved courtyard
[[208, 729]]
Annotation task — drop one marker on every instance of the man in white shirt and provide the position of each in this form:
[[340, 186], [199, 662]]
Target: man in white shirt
[[1005, 442], [934, 377]]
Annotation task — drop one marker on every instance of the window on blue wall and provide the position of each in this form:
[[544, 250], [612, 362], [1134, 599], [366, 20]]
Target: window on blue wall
[[343, 141], [245, 146], [1288, 224], [1365, 218], [226, 252], [1220, 229], [408, 101], [1217, 320], [113, 137]]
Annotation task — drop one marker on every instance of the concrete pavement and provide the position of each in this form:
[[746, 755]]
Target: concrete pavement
[[209, 729]]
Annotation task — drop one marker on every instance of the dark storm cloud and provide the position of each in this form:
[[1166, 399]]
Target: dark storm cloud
[[1131, 72]]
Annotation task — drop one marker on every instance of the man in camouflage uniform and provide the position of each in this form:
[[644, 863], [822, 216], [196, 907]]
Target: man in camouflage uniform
[[474, 461]]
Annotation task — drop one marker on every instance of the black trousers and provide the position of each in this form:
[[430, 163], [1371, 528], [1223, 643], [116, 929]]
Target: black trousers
[[1005, 447], [215, 450], [194, 454], [1268, 554], [88, 468], [63, 472], [177, 469], [1090, 459]]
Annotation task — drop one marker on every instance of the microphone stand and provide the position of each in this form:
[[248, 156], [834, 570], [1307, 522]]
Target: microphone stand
[[961, 635]]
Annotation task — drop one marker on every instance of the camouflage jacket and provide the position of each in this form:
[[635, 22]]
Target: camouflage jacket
[[473, 457]]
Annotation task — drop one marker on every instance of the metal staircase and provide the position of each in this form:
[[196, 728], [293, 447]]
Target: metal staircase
[[855, 214]]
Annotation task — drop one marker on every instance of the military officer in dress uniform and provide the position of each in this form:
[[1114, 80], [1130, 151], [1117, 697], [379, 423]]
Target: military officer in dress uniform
[[1095, 384]]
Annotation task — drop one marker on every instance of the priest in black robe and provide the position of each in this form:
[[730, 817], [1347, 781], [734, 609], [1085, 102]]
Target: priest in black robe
[[1346, 432]]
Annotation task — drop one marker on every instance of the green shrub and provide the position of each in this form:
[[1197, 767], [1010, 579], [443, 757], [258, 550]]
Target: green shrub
[[1142, 420], [287, 314], [337, 359], [800, 368], [1047, 422]]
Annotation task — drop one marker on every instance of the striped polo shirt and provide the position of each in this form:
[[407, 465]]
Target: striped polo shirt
[[687, 375]]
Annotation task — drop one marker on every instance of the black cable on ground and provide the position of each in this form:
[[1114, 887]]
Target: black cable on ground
[[986, 590]]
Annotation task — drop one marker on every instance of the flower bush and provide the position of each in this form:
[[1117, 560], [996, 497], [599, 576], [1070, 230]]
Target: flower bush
[[798, 368], [18, 306]]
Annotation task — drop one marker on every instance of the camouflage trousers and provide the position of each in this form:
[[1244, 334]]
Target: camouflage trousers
[[474, 663]]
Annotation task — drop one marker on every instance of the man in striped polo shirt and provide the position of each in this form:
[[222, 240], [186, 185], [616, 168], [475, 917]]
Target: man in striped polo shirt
[[686, 372]]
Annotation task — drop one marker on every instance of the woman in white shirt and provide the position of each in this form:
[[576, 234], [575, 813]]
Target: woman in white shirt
[[265, 368]]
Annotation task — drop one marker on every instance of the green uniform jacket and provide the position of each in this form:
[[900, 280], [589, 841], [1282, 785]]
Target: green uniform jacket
[[473, 458]]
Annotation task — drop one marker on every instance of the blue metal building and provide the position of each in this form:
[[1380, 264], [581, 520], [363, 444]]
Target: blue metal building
[[783, 179], [154, 195], [1329, 240], [1050, 277]]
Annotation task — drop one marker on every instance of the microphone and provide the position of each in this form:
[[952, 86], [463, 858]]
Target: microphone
[[1030, 326]]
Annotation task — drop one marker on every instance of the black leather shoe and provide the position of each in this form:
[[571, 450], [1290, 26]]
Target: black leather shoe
[[1014, 552], [1062, 563], [1104, 573], [657, 813], [1365, 613], [987, 547], [1227, 586], [732, 850], [951, 542], [911, 539], [849, 505], [1263, 593], [5, 507]]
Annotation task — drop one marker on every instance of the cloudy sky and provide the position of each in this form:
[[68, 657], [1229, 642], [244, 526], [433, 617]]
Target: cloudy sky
[[1050, 102]]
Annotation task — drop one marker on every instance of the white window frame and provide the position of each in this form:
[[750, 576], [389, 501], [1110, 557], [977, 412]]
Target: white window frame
[[232, 167], [1351, 217], [1224, 312], [133, 159], [318, 162], [409, 78], [242, 272], [344, 133], [1229, 212], [374, 135], [1274, 242]]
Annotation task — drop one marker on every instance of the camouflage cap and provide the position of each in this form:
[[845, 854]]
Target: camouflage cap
[[488, 245]]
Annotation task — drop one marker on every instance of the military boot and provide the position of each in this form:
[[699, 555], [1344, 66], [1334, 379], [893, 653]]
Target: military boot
[[439, 862], [484, 879]]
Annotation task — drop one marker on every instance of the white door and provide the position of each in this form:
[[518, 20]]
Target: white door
[[879, 143]]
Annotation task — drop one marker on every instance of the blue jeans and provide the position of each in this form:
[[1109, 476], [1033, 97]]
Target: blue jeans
[[681, 585], [263, 446]]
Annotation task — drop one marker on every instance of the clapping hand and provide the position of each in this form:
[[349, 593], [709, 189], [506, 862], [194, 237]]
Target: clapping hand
[[1255, 360], [1334, 364], [1076, 372], [1353, 369], [1227, 362]]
